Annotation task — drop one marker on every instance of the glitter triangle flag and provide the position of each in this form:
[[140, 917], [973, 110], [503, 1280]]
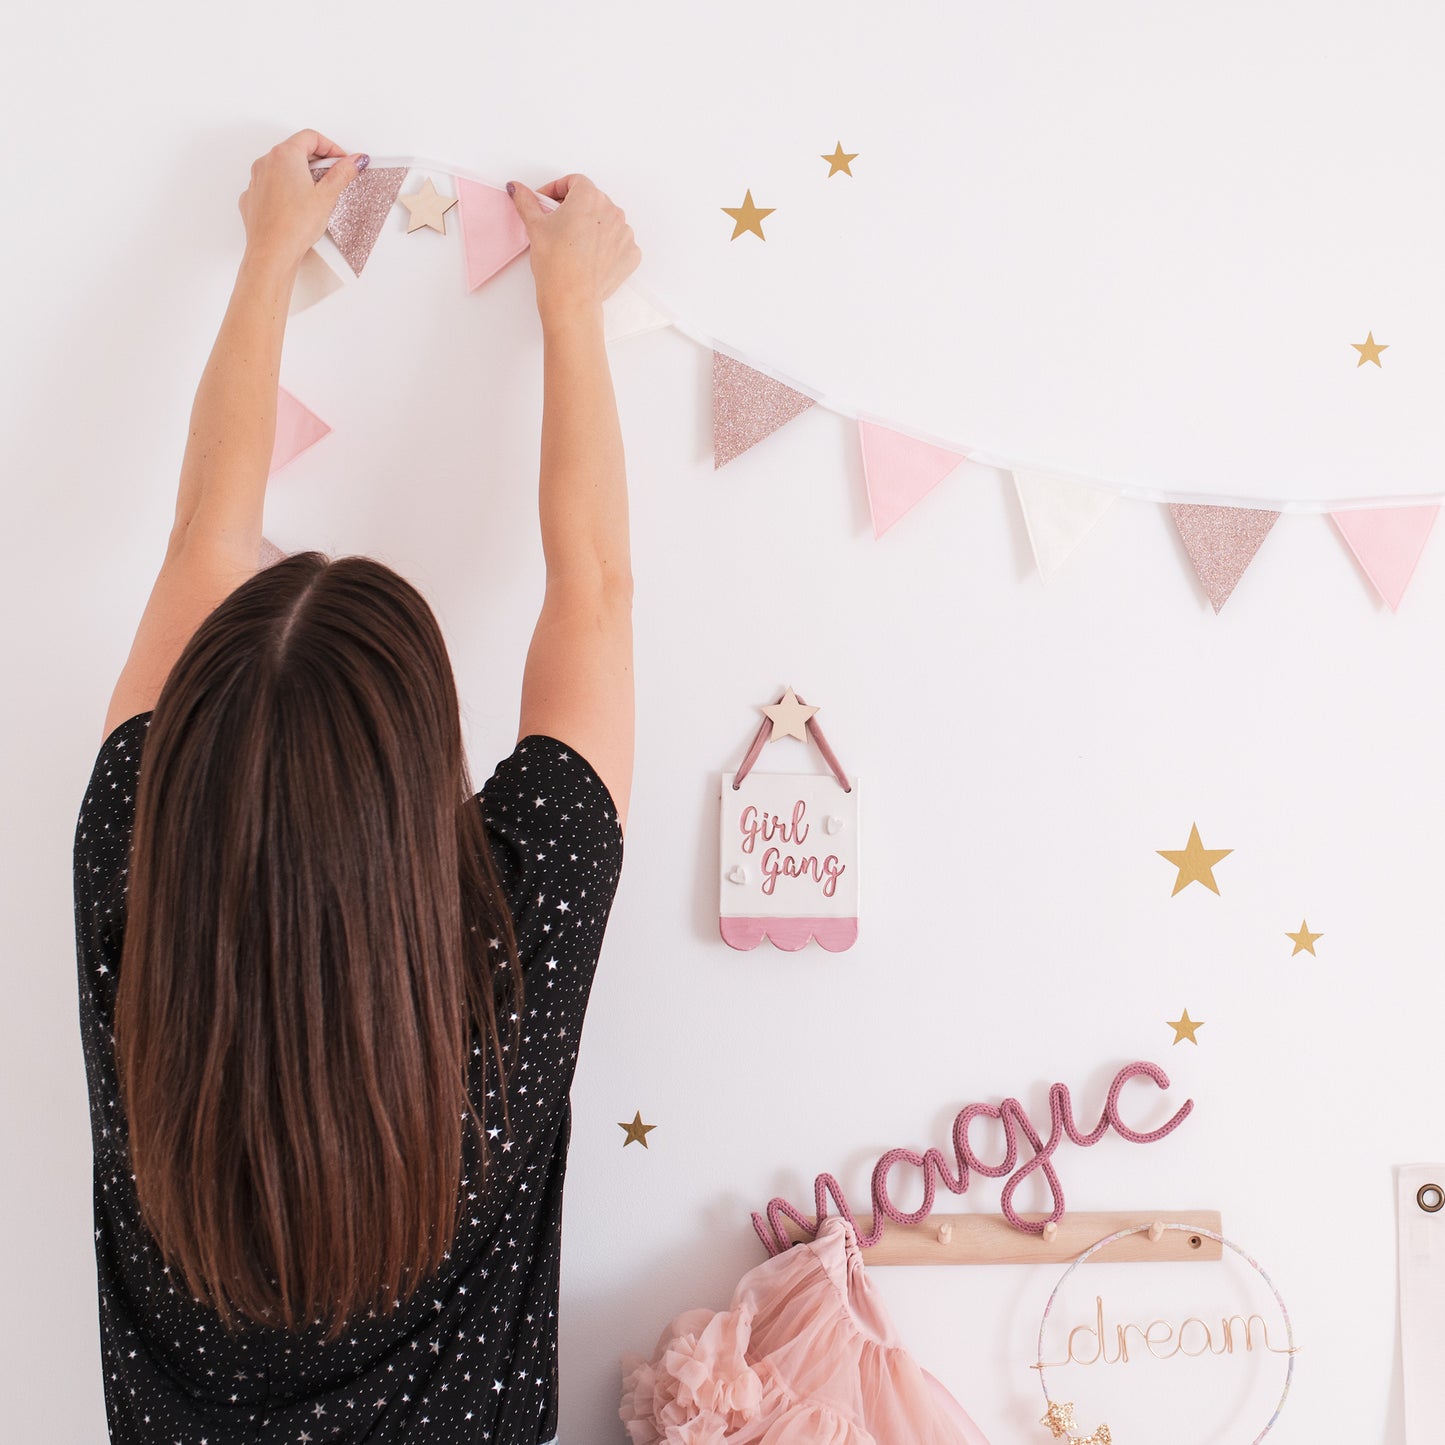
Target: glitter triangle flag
[[1059, 513], [899, 471], [1387, 543], [747, 405], [361, 210], [492, 231], [629, 313], [1221, 542], [270, 554], [297, 427]]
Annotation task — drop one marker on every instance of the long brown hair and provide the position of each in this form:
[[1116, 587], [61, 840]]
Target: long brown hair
[[307, 950]]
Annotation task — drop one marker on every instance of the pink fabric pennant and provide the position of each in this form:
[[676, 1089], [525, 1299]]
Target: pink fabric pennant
[[1221, 542], [361, 210], [747, 405], [1387, 543], [297, 428], [899, 471], [492, 231]]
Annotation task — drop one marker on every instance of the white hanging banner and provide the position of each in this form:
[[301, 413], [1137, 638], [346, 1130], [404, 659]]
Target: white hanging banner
[[1420, 1224]]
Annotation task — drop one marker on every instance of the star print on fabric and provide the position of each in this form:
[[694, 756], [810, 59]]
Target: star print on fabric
[[509, 1192], [1195, 862]]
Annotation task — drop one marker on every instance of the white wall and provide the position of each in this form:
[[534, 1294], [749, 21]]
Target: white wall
[[1132, 243]]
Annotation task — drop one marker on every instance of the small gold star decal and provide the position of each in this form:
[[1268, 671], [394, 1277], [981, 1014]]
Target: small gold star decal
[[636, 1130], [748, 217], [1304, 940], [1195, 862], [1184, 1028], [1369, 350], [838, 161], [427, 207], [790, 717]]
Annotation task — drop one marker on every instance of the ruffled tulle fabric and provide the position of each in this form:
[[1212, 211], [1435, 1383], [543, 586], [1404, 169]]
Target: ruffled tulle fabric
[[805, 1355]]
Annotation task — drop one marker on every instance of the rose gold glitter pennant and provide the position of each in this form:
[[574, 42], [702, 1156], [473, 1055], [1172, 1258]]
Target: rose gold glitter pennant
[[747, 405], [270, 553], [361, 210], [1221, 542]]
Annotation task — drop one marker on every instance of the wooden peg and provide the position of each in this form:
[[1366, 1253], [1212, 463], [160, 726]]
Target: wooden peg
[[1051, 1232], [1156, 1232], [945, 1232]]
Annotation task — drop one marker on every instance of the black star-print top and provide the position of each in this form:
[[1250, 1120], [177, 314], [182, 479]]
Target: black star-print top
[[474, 1356]]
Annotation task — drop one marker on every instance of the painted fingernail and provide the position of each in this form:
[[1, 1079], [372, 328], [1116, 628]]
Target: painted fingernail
[[362, 161], [511, 188]]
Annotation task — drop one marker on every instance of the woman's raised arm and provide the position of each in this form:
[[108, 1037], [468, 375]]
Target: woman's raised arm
[[577, 685]]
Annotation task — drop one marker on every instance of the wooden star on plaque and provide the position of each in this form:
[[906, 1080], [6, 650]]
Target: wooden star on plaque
[[789, 717], [637, 1131], [748, 217], [428, 207]]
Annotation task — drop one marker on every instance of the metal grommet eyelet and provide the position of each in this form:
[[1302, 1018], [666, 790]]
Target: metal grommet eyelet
[[1430, 1198]]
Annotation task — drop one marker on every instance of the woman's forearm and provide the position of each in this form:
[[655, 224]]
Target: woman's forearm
[[233, 418], [582, 496]]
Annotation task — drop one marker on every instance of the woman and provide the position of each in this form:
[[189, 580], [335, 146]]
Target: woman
[[330, 1000]]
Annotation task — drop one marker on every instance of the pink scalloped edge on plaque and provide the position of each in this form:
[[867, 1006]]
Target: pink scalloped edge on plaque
[[790, 934]]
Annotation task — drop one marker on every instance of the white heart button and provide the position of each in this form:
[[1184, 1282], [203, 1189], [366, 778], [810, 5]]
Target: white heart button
[[833, 823], [737, 874]]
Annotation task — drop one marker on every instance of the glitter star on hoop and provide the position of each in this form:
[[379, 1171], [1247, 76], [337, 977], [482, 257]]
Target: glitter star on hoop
[[1060, 1419]]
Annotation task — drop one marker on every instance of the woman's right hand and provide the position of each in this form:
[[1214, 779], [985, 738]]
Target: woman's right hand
[[582, 251]]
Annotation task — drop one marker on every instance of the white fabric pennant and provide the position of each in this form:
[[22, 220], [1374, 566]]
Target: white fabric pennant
[[1059, 513], [1420, 1225], [627, 312]]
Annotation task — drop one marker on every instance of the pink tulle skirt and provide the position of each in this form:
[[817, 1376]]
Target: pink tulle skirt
[[806, 1355]]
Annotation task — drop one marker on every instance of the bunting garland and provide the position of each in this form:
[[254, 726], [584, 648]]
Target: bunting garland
[[900, 469]]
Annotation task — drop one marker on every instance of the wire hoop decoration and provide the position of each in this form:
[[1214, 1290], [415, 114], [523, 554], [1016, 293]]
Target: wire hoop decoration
[[1061, 1416]]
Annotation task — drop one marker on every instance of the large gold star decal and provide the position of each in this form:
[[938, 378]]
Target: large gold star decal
[[789, 717], [1195, 862], [1184, 1028], [748, 217], [1304, 940], [636, 1131], [427, 207], [838, 161], [1369, 350]]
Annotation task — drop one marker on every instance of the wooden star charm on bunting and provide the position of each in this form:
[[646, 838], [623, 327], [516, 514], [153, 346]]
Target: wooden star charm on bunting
[[790, 717], [1195, 862], [838, 161], [748, 217], [1184, 1028], [1369, 350], [427, 207], [636, 1130], [1304, 940]]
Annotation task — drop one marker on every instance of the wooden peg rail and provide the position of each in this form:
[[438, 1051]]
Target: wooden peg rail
[[991, 1239]]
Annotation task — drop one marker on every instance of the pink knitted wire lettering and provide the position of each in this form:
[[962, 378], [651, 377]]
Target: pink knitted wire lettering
[[1015, 1121]]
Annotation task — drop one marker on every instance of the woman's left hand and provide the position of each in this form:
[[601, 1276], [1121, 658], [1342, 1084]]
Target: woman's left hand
[[285, 211]]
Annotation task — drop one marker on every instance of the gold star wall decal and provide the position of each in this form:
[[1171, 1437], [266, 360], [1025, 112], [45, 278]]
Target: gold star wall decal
[[1369, 350], [1304, 940], [838, 161], [790, 717], [748, 217], [427, 207], [636, 1130], [1184, 1028], [1195, 862]]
